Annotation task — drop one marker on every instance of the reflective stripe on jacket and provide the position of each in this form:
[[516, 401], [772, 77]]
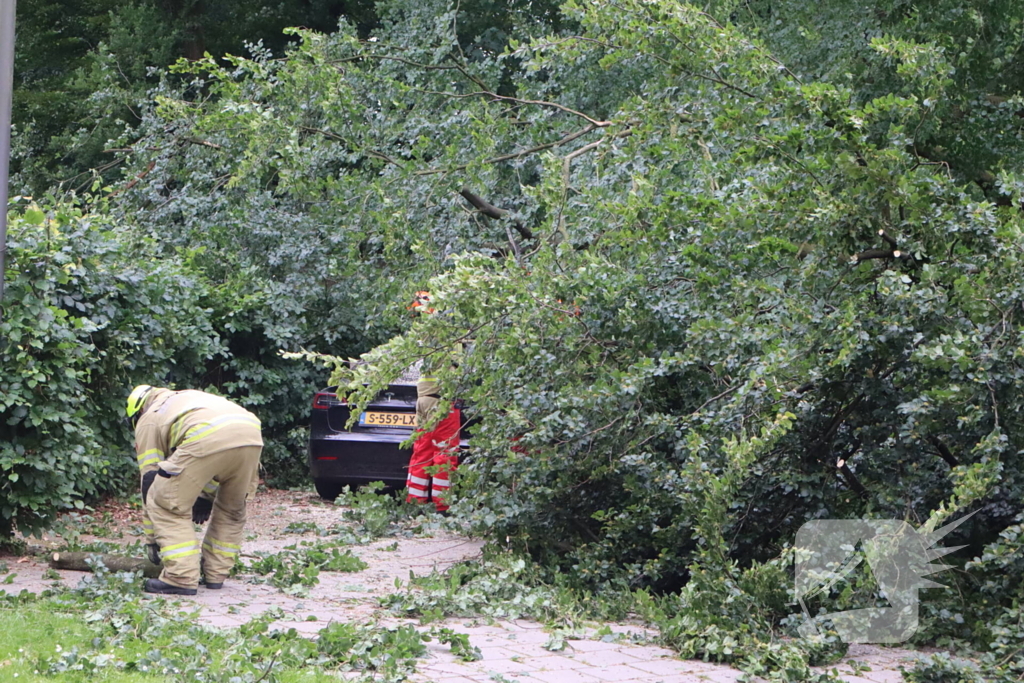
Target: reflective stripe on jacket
[[201, 422]]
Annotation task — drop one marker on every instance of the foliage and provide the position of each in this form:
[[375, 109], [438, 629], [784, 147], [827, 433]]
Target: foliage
[[659, 317], [459, 643], [105, 630], [501, 588], [991, 618], [83, 318], [83, 70], [72, 526], [724, 270], [89, 310], [298, 569], [392, 651], [734, 619], [375, 513], [941, 668]]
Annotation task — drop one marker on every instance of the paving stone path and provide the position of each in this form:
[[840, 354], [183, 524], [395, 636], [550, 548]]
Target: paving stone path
[[513, 650]]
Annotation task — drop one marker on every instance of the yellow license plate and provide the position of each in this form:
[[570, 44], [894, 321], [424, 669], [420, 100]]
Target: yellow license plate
[[383, 419]]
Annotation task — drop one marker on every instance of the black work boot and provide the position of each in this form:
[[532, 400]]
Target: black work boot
[[163, 588]]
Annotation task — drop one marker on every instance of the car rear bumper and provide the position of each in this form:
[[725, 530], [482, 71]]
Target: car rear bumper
[[357, 458]]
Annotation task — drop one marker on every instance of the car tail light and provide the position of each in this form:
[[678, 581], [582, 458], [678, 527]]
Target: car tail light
[[325, 399]]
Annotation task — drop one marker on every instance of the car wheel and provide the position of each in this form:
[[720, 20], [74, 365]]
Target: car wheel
[[328, 490]]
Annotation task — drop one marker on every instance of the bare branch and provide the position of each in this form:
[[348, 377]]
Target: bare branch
[[567, 160], [135, 181], [566, 165], [514, 155], [869, 254], [851, 479], [711, 400], [491, 211], [944, 451], [204, 143], [506, 98], [791, 158], [368, 152], [465, 72], [403, 60]]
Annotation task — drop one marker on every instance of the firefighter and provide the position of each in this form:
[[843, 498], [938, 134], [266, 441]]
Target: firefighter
[[199, 457], [437, 448]]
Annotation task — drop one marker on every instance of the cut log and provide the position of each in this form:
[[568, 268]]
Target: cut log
[[115, 563]]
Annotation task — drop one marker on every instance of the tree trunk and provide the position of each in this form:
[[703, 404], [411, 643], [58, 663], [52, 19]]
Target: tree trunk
[[115, 563]]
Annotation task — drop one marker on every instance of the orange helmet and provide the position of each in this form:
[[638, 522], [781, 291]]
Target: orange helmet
[[421, 303]]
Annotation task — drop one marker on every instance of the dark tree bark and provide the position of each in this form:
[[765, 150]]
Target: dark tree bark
[[491, 211]]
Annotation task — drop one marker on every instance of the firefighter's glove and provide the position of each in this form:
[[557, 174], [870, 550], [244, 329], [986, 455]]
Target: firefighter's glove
[[153, 553], [147, 481], [201, 510]]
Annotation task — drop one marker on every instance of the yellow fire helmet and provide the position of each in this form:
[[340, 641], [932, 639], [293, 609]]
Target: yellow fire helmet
[[137, 399]]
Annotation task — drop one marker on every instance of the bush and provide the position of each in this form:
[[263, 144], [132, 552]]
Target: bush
[[84, 317], [91, 309]]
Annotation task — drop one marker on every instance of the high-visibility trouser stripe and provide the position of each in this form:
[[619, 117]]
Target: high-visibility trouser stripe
[[179, 550], [221, 548], [441, 483], [212, 487], [150, 457], [418, 480], [417, 492], [204, 430]]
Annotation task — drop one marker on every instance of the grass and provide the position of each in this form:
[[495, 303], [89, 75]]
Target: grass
[[35, 631], [40, 634], [105, 630]]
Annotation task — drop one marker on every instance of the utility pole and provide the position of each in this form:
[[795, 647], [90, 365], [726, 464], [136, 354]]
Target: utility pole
[[6, 95]]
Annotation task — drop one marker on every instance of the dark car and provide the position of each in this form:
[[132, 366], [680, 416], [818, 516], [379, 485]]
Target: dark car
[[367, 452]]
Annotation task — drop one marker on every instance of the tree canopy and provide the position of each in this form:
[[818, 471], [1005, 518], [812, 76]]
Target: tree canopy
[[724, 270]]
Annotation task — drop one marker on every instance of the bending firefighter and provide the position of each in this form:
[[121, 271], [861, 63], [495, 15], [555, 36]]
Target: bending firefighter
[[437, 449], [193, 448]]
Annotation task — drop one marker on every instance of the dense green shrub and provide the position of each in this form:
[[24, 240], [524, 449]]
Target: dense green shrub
[[90, 310], [85, 315]]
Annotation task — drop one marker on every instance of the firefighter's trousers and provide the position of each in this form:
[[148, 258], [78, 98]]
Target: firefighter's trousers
[[438, 448], [169, 507]]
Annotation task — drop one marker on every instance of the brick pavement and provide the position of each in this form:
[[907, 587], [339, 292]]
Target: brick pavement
[[513, 651]]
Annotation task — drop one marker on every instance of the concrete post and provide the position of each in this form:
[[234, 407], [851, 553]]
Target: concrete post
[[6, 95]]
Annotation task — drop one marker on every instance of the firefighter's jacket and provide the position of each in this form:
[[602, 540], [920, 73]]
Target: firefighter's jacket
[[193, 418]]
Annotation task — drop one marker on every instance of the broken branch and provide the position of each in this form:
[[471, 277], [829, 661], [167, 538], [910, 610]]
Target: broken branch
[[492, 211], [889, 239], [115, 563]]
